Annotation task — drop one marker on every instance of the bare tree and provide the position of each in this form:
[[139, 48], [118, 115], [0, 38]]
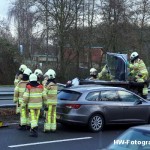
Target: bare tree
[[8, 54], [23, 16], [61, 15], [142, 15]]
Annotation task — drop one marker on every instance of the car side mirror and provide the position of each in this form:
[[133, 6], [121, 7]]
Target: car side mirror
[[137, 102]]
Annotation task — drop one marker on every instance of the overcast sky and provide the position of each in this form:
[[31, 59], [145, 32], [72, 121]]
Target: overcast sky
[[4, 5]]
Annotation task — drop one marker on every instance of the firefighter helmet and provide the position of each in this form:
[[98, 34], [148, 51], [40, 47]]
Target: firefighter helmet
[[27, 71], [38, 72], [33, 77], [93, 71], [133, 56], [22, 68], [51, 73]]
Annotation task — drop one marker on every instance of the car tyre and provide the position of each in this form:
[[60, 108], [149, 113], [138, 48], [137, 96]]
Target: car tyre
[[96, 123]]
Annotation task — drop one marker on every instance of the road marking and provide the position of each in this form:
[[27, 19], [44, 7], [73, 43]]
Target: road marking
[[13, 123], [48, 142]]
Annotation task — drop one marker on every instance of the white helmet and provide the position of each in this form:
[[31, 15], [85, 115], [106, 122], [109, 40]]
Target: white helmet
[[27, 71], [93, 71], [33, 77], [38, 72], [134, 55], [51, 73], [22, 67]]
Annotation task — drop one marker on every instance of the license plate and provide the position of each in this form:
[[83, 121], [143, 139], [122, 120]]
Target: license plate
[[58, 116]]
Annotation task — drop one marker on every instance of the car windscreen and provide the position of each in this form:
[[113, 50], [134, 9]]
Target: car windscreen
[[69, 95]]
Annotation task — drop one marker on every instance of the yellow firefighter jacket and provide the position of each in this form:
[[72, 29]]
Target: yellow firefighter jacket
[[34, 97], [104, 74], [139, 70], [19, 91], [51, 91]]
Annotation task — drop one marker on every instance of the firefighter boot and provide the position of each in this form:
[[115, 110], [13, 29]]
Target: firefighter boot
[[28, 127], [34, 132], [22, 127]]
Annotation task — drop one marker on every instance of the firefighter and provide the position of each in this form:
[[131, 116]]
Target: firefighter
[[18, 78], [93, 74], [104, 74], [33, 98], [19, 75], [18, 97], [39, 74], [139, 71], [50, 105]]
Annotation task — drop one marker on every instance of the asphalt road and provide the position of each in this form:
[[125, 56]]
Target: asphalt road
[[66, 138]]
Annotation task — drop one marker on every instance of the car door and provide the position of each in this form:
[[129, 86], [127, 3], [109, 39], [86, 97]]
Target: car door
[[117, 65], [112, 107], [135, 109]]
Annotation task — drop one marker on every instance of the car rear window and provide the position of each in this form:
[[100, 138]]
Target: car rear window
[[69, 95]]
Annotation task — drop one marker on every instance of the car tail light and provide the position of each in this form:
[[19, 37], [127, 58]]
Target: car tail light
[[73, 106]]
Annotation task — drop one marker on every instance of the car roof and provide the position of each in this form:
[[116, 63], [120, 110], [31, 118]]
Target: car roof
[[92, 87]]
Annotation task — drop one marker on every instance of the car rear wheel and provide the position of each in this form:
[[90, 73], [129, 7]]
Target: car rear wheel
[[96, 123]]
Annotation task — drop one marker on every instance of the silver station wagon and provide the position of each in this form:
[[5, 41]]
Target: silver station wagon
[[97, 106]]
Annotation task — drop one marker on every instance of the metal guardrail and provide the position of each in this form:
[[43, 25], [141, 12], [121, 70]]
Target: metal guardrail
[[6, 96], [7, 105]]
